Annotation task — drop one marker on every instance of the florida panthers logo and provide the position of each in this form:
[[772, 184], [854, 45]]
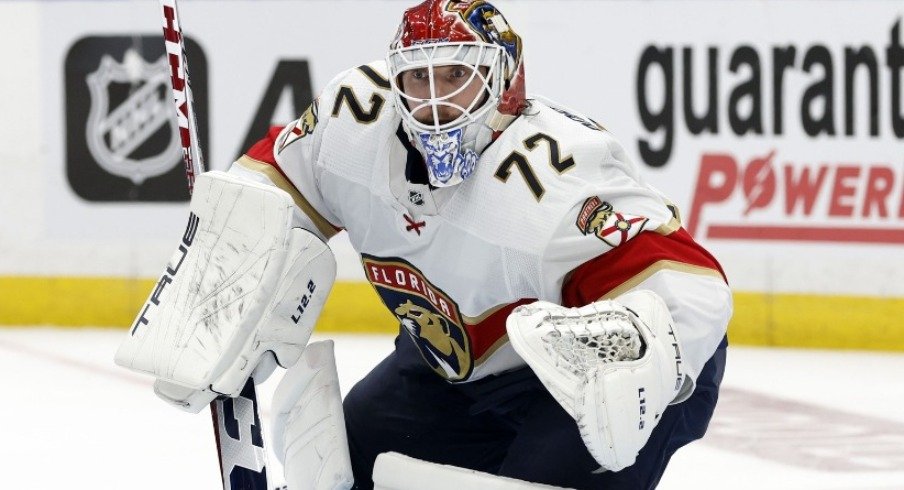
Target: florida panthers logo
[[307, 121], [597, 217], [436, 337], [303, 126], [445, 155], [430, 318]]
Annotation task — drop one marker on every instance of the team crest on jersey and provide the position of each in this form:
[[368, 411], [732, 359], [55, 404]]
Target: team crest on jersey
[[429, 315], [597, 217], [303, 126]]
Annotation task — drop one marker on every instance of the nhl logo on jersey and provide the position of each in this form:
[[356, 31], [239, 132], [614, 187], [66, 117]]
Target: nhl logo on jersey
[[122, 138], [415, 197], [597, 217], [425, 312]]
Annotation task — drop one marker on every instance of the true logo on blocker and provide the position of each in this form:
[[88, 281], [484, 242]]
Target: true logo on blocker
[[122, 139]]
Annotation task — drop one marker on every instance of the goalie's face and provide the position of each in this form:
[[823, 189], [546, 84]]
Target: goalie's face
[[445, 86], [441, 95]]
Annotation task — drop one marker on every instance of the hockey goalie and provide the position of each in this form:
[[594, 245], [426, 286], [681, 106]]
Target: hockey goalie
[[558, 326]]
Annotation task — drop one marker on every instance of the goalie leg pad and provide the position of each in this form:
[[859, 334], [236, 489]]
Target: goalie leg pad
[[614, 366], [243, 282], [309, 427], [394, 471]]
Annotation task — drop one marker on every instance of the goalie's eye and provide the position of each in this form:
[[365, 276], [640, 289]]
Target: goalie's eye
[[459, 72]]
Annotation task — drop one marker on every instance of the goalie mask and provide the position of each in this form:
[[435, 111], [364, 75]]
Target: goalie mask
[[458, 80]]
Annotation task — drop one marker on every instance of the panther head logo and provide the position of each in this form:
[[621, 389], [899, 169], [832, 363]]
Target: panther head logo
[[445, 155], [599, 218], [441, 149], [303, 127], [436, 335], [308, 120]]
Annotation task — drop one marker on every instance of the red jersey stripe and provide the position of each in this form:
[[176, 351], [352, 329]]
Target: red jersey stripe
[[262, 151], [648, 252]]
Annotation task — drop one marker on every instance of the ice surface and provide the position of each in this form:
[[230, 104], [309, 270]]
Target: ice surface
[[788, 419]]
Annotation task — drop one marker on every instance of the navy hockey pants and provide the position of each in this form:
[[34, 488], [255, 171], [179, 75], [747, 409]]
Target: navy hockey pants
[[507, 425]]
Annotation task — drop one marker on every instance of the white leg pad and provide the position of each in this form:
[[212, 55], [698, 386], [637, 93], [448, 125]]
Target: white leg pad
[[394, 471], [309, 427]]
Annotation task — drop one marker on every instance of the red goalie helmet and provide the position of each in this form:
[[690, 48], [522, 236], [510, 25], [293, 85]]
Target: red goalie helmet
[[475, 21], [457, 76]]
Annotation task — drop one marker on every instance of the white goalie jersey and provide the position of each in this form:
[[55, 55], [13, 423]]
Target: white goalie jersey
[[555, 211]]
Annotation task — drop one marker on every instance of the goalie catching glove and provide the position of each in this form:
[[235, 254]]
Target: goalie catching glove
[[244, 288], [614, 366]]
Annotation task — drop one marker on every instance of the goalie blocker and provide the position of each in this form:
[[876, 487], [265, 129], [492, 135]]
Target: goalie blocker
[[243, 289]]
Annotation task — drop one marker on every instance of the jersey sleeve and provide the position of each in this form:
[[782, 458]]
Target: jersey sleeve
[[619, 235], [288, 158]]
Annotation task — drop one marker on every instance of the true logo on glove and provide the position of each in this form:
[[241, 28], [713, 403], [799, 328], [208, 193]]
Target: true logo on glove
[[679, 375], [171, 271]]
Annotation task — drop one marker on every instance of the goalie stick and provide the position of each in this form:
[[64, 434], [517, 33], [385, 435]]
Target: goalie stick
[[236, 421]]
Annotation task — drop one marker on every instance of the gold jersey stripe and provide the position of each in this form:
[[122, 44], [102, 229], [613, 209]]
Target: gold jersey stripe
[[673, 224], [660, 266], [667, 229], [324, 226], [492, 350], [474, 320]]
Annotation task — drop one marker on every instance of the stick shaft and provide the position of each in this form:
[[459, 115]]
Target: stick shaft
[[236, 421], [182, 97]]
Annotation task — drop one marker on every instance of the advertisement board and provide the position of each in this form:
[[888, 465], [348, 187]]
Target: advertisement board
[[777, 127]]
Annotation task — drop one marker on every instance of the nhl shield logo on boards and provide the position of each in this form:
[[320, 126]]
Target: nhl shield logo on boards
[[122, 138], [113, 134]]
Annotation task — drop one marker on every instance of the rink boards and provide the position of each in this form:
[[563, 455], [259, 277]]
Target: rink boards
[[843, 322], [776, 127]]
